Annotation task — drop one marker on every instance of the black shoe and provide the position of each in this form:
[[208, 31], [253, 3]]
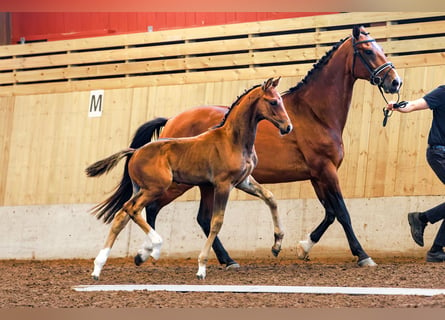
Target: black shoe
[[438, 256], [417, 227]]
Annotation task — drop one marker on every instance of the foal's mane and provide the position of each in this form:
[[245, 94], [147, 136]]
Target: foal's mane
[[235, 103], [318, 65]]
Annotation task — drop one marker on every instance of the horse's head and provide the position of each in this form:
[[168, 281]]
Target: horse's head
[[272, 107], [370, 62]]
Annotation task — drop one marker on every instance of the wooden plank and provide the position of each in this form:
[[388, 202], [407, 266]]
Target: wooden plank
[[414, 45], [352, 173], [408, 136], [392, 132], [6, 127], [407, 30], [21, 149]]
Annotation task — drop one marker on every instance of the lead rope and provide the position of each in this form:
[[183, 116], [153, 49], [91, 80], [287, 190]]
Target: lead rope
[[388, 113]]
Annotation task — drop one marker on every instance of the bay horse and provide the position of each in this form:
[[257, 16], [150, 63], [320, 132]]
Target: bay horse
[[218, 159], [318, 107]]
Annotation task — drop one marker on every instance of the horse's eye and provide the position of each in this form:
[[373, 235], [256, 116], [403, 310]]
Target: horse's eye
[[273, 102], [368, 52]]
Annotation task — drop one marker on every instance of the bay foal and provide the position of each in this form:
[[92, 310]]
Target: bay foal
[[219, 159]]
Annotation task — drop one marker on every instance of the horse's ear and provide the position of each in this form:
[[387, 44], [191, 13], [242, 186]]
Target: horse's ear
[[276, 82], [267, 84], [356, 32]]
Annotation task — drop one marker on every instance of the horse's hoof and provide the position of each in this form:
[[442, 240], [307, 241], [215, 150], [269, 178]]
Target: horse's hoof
[[138, 260], [276, 252], [200, 276], [95, 278], [302, 254], [232, 266], [367, 262]]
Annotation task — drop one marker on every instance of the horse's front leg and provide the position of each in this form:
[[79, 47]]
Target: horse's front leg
[[119, 222], [220, 202], [251, 186], [331, 198]]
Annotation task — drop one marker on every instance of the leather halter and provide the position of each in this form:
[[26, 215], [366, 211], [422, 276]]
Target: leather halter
[[374, 77]]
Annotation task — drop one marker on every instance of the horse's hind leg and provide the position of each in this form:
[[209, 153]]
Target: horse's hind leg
[[153, 242], [251, 186], [119, 222]]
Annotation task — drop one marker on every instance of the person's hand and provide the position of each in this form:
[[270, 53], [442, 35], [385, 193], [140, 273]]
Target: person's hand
[[390, 106]]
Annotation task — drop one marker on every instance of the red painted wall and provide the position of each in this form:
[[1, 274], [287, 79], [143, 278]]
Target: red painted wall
[[38, 26]]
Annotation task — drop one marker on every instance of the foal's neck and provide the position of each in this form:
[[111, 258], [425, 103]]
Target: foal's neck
[[242, 122]]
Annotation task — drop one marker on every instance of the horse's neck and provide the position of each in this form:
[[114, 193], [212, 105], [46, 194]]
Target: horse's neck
[[241, 126], [329, 92]]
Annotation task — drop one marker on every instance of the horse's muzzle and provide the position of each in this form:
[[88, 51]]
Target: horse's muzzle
[[286, 130]]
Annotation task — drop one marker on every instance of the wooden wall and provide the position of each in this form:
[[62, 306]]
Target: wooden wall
[[47, 138]]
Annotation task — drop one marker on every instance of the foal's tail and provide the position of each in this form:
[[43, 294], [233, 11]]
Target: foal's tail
[[103, 166], [108, 208]]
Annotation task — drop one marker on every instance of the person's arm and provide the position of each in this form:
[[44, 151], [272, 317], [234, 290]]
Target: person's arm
[[414, 105]]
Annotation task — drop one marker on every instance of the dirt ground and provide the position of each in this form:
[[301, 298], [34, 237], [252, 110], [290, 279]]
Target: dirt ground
[[48, 284]]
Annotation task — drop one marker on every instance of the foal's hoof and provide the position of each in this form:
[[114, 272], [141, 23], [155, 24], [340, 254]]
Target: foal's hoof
[[302, 254], [367, 262], [138, 260], [200, 276]]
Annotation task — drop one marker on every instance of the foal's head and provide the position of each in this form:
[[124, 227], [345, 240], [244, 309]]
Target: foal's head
[[271, 107]]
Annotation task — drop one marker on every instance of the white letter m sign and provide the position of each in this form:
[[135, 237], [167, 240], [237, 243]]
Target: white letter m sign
[[96, 103]]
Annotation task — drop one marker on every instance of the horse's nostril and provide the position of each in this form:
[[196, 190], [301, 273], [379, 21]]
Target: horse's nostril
[[287, 130]]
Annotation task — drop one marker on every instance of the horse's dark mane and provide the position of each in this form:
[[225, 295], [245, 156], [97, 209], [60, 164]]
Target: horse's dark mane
[[320, 63], [234, 104]]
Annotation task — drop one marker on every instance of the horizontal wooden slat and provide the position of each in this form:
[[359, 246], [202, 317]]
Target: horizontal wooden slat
[[414, 45]]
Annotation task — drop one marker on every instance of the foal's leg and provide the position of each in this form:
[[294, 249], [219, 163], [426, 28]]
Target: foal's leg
[[204, 218], [251, 186], [221, 198], [153, 242], [119, 222]]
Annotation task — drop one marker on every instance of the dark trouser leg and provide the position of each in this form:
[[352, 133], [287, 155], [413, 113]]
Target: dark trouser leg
[[436, 160]]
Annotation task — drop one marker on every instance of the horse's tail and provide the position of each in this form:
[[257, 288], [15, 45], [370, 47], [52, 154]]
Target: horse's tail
[[147, 132], [124, 190], [103, 166]]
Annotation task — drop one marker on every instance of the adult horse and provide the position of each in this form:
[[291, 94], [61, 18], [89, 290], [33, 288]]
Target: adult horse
[[318, 107], [219, 159]]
